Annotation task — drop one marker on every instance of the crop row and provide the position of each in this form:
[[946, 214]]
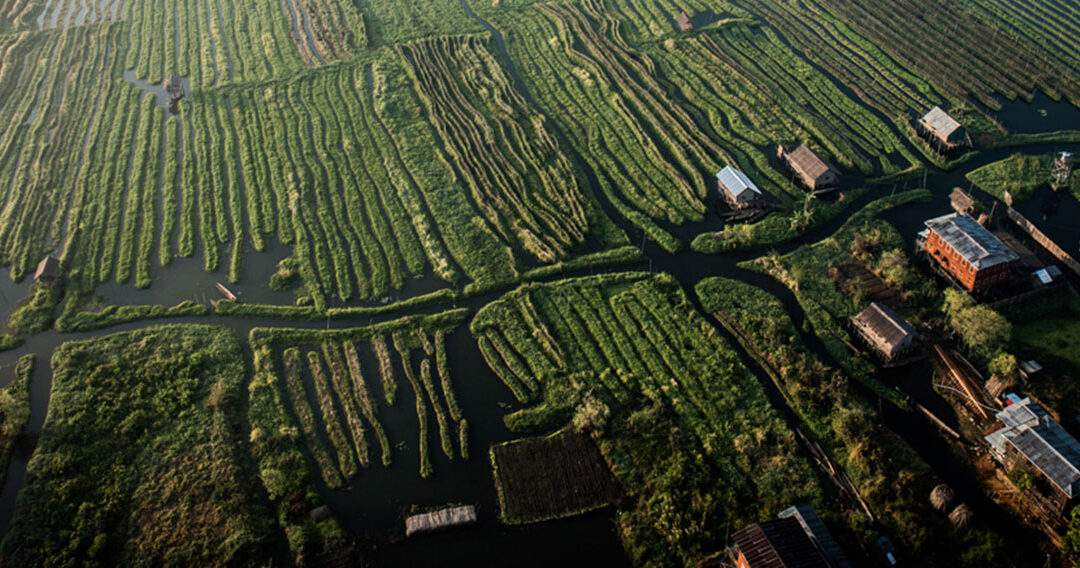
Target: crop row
[[499, 146], [208, 42], [649, 155], [343, 394], [615, 339], [982, 61], [1051, 24], [53, 85], [326, 30]]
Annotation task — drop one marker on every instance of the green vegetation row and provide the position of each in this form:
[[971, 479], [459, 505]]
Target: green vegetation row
[[113, 480], [209, 43], [349, 372], [526, 188], [682, 424]]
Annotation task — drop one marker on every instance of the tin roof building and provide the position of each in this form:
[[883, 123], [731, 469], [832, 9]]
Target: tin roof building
[[967, 251], [1031, 440], [779, 543], [736, 188]]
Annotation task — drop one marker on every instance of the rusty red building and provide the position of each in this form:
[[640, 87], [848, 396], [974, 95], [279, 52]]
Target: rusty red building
[[963, 248]]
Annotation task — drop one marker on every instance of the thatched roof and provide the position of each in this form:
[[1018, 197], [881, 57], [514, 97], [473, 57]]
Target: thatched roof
[[961, 516], [961, 202], [807, 163], [441, 519], [942, 497], [883, 328], [319, 513]]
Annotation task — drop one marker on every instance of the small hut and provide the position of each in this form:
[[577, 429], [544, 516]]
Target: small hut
[[814, 173], [962, 202], [961, 516], [48, 271], [883, 330], [441, 519], [942, 497], [174, 86], [737, 189], [944, 130], [684, 23]]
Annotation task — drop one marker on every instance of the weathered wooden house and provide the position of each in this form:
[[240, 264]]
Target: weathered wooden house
[[943, 130], [813, 172], [1030, 440], [174, 86], [961, 202], [736, 188], [968, 252], [884, 330], [778, 543], [48, 271], [684, 23]]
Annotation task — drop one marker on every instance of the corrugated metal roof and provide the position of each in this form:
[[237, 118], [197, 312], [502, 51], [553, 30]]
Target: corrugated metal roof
[[779, 543], [1041, 440], [735, 182], [815, 528], [940, 121], [887, 330], [977, 245]]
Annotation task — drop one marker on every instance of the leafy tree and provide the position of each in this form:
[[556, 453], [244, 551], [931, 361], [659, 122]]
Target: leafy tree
[[1004, 364], [1071, 543], [981, 328]]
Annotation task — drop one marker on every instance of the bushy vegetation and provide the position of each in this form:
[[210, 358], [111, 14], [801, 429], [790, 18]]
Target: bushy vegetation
[[1019, 175], [843, 423], [14, 410], [863, 239], [687, 429], [141, 460], [775, 228]]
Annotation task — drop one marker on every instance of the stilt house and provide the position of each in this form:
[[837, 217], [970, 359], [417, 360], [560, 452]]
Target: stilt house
[[813, 172], [736, 188]]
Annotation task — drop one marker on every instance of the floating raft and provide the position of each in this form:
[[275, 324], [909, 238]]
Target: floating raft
[[441, 519]]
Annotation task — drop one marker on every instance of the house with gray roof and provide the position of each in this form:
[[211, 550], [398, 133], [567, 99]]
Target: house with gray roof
[[967, 251], [1031, 440], [944, 129], [736, 188]]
